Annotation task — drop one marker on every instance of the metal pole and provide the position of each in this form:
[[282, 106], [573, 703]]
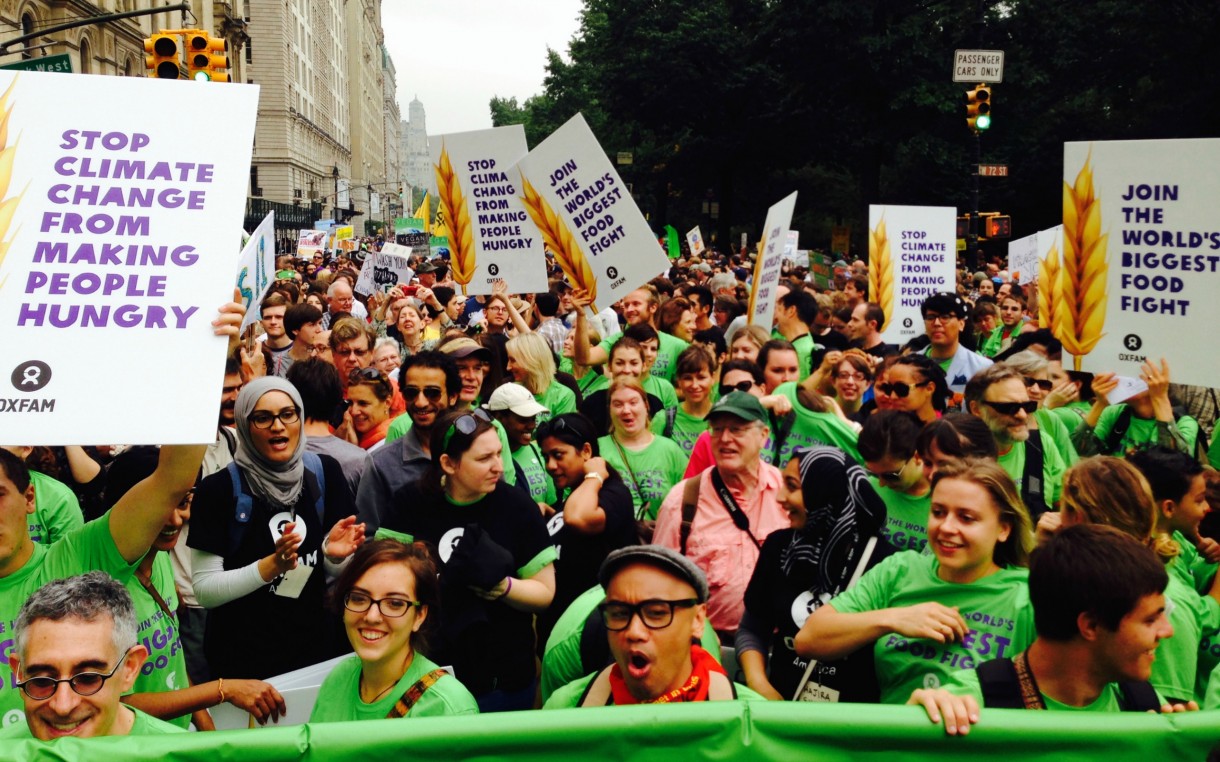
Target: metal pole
[[972, 240], [4, 46]]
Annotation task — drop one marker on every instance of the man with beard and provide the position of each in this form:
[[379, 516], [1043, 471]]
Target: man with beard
[[430, 384], [351, 344], [639, 307], [998, 395]]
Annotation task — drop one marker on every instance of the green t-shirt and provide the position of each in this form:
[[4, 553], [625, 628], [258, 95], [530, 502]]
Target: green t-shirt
[[654, 470], [805, 347], [966, 681], [56, 509], [402, 424], [808, 428], [142, 725], [1141, 432], [1177, 657], [661, 389], [165, 668], [1072, 414], [339, 697], [668, 349], [592, 382], [1053, 466], [1211, 697], [996, 609], [537, 480], [558, 399], [687, 428], [906, 517], [82, 550]]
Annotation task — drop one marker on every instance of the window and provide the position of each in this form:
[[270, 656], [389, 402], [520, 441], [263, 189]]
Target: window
[[27, 27], [86, 57]]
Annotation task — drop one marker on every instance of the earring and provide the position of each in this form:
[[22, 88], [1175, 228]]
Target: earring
[[444, 480]]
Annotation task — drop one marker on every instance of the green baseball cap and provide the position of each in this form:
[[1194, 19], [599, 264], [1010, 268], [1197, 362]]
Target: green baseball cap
[[741, 404]]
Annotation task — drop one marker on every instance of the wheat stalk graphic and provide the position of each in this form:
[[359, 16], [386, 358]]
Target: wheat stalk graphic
[[461, 232], [881, 272], [559, 240], [1080, 314], [1050, 290], [8, 207]]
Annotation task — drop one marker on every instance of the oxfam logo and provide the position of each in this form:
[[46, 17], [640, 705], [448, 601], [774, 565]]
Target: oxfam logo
[[31, 376]]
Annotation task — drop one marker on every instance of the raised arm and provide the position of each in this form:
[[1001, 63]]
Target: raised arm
[[582, 352]]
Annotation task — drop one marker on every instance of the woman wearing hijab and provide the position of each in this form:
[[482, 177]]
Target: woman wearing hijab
[[835, 536], [261, 555]]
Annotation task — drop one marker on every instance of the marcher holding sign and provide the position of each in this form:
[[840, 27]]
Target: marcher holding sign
[[1023, 259], [118, 243], [492, 238], [694, 241], [586, 216], [770, 259], [254, 268], [385, 269], [911, 255]]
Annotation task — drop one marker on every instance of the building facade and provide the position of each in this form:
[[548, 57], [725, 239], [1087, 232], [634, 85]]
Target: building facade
[[391, 139], [418, 164], [365, 98]]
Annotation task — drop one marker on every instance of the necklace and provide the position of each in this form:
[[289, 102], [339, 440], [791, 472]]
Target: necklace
[[374, 699]]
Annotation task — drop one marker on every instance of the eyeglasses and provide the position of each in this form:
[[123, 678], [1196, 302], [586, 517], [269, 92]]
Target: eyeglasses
[[656, 614], [1042, 383], [261, 419], [898, 389], [431, 393], [1011, 408], [83, 684], [891, 476], [857, 377], [932, 317], [466, 425], [740, 386], [392, 607], [350, 351], [737, 430]]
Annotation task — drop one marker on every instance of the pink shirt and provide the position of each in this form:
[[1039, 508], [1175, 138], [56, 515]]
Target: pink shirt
[[726, 554]]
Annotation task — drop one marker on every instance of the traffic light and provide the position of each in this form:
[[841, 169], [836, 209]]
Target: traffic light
[[978, 108], [207, 58], [998, 226], [163, 61]]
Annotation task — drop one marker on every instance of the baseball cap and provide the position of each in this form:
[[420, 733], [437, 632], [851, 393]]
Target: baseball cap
[[741, 404], [660, 557], [516, 399], [464, 347], [425, 267], [944, 303]]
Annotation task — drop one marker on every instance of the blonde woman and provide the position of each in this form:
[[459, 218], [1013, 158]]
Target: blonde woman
[[531, 364], [747, 342]]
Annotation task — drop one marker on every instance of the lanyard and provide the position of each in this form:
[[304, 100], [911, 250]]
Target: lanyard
[[726, 499]]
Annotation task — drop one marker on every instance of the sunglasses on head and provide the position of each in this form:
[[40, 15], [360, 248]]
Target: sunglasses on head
[[898, 389], [466, 425], [1011, 408], [367, 374], [1042, 383], [740, 386]]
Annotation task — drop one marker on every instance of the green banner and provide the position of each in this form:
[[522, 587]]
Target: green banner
[[718, 730]]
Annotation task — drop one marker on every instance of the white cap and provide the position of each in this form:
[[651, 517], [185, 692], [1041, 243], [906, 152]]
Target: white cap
[[516, 398]]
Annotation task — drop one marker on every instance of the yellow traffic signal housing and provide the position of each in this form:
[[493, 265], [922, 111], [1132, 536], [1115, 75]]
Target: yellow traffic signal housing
[[978, 108], [207, 58], [164, 56]]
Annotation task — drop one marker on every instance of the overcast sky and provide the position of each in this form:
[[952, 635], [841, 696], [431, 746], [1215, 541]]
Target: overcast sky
[[454, 55]]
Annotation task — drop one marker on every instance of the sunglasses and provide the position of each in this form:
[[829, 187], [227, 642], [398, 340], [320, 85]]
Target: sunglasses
[[898, 389], [1042, 383], [1011, 408], [431, 393], [466, 425], [367, 374], [740, 386], [82, 683], [890, 476]]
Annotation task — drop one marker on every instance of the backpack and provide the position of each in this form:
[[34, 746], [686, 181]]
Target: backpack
[[1002, 689], [243, 503]]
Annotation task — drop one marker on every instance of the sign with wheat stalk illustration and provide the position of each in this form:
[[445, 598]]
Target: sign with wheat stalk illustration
[[117, 244], [489, 232], [1050, 290], [912, 254], [583, 212], [1140, 266], [770, 261]]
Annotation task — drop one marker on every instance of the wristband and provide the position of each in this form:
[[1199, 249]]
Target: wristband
[[594, 475], [507, 589]]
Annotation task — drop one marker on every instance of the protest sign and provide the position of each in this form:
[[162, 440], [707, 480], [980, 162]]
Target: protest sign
[[586, 216], [1138, 275], [1023, 259], [694, 241], [409, 232], [792, 246], [117, 249], [1050, 243], [911, 255], [310, 242], [491, 235], [256, 267], [767, 266], [385, 269]]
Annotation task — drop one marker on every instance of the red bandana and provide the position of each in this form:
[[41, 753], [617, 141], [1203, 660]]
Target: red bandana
[[695, 688]]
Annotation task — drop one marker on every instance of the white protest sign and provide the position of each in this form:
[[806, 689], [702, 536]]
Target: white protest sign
[[385, 269], [256, 267], [310, 242], [116, 229], [770, 258], [490, 233], [694, 241], [1023, 259], [1139, 272], [1127, 388], [586, 216], [912, 254], [792, 248]]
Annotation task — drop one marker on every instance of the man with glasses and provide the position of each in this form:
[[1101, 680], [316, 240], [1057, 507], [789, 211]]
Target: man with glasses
[[720, 518], [430, 384], [654, 612], [341, 300], [351, 344], [944, 316], [76, 655], [998, 396]]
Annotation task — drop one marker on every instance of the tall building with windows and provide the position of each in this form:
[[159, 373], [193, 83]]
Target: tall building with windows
[[365, 99], [418, 167], [391, 118]]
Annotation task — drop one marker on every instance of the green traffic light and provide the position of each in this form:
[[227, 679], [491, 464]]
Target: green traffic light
[[202, 76], [982, 122]]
